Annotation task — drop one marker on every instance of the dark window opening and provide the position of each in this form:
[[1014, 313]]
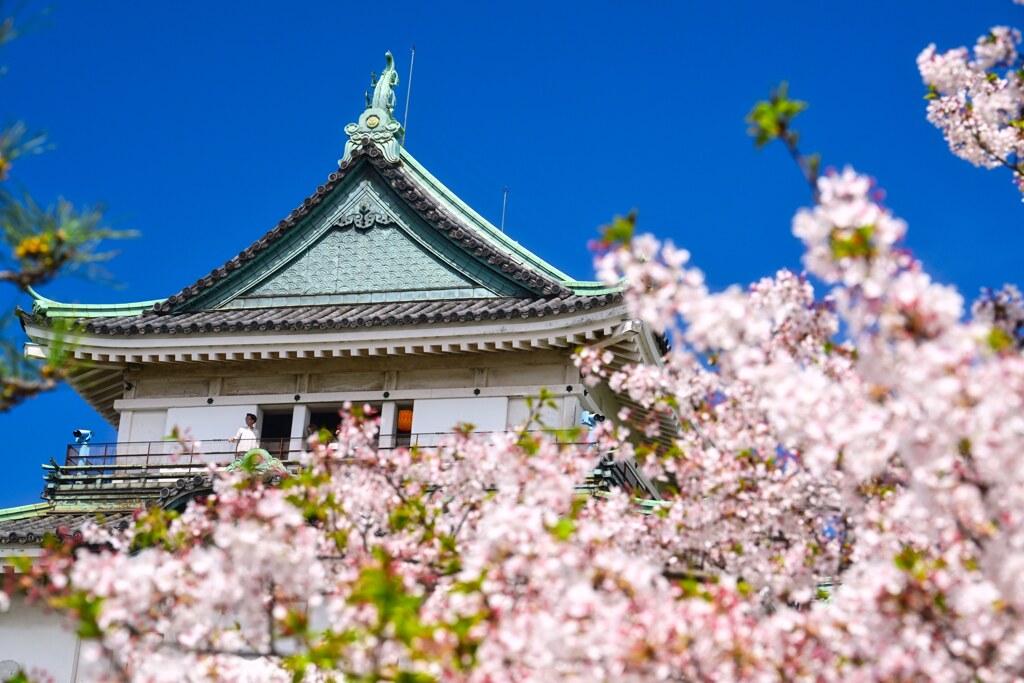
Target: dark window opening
[[325, 419], [275, 432], [329, 418]]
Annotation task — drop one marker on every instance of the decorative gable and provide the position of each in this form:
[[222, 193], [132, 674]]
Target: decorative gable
[[364, 244], [349, 261]]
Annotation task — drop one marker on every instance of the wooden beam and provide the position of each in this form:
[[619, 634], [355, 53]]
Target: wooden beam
[[91, 375]]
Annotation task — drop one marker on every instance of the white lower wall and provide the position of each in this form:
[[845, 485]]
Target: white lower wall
[[207, 423], [38, 641], [141, 435], [519, 411], [147, 425], [441, 415]]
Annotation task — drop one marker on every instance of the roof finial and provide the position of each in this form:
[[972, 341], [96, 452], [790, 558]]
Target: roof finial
[[383, 96], [377, 125]]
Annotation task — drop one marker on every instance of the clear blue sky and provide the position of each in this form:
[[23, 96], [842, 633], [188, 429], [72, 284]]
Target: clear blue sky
[[202, 124]]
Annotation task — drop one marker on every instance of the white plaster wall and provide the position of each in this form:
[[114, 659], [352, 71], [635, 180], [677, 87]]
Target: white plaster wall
[[552, 418], [443, 414], [38, 641], [141, 435], [300, 419], [436, 378], [210, 427], [170, 387], [257, 384], [147, 425], [346, 381], [210, 422], [551, 375]]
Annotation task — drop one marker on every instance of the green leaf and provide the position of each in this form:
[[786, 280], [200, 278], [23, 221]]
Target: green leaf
[[999, 339], [814, 164], [771, 119], [907, 559], [857, 244], [563, 528], [413, 677], [620, 230], [86, 609], [397, 610]]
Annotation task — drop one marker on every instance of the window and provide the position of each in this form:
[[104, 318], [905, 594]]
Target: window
[[275, 431], [403, 425]]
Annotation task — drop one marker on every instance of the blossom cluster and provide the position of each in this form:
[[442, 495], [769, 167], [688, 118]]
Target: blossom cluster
[[900, 438], [976, 98]]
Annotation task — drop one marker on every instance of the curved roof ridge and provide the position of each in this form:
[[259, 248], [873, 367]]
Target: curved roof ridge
[[495, 235], [453, 201], [57, 309]]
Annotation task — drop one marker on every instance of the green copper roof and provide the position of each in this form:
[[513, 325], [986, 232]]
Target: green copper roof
[[591, 287], [408, 238], [55, 309], [377, 126], [24, 511], [362, 243]]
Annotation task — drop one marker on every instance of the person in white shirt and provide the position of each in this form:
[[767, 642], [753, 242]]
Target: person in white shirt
[[247, 437]]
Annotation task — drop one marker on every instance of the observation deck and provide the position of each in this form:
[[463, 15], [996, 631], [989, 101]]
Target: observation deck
[[135, 474]]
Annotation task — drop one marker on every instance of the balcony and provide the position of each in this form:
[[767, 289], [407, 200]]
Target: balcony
[[133, 473], [156, 454]]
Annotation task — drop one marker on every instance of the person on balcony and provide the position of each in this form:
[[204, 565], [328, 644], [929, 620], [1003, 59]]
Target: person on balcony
[[247, 437], [82, 439], [590, 421]]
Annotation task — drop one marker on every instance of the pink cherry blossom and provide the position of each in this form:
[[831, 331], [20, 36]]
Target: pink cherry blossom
[[841, 492]]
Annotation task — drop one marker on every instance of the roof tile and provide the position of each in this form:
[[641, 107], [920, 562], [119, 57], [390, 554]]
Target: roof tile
[[304, 318], [337, 316], [32, 529]]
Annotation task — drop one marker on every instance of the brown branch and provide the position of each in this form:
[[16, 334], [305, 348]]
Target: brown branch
[[809, 173], [33, 275], [18, 389]]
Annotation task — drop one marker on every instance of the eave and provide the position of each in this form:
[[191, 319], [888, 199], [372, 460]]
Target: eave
[[456, 336], [101, 359], [41, 306]]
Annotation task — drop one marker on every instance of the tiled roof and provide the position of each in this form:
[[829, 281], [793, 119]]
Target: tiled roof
[[302, 318], [30, 530], [417, 197]]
